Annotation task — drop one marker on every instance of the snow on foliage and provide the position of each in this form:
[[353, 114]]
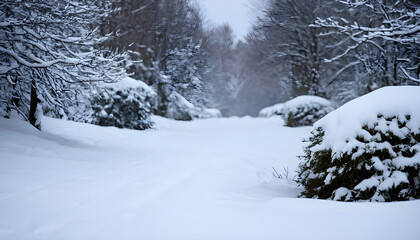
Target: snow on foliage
[[49, 52], [383, 40], [367, 149], [272, 110], [300, 111], [125, 104], [130, 83]]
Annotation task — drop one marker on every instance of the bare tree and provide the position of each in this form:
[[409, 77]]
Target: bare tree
[[285, 30], [381, 40]]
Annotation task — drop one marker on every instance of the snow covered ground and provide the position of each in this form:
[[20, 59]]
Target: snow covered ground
[[207, 179]]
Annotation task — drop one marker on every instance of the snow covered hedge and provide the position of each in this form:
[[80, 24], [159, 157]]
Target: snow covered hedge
[[124, 104], [300, 111], [369, 149]]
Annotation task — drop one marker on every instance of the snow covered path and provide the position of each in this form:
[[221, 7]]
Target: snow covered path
[[207, 179]]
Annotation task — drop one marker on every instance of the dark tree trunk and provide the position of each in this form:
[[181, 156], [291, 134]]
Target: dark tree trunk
[[163, 100], [35, 101]]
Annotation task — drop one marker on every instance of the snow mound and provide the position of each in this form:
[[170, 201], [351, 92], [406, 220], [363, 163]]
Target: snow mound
[[180, 108], [300, 111], [347, 122], [368, 149], [211, 113]]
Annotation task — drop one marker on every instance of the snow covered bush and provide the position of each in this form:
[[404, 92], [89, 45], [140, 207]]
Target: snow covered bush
[[300, 111], [210, 113], [125, 104], [179, 108], [276, 109], [369, 149]]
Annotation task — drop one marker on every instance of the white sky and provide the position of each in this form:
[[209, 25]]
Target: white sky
[[237, 13]]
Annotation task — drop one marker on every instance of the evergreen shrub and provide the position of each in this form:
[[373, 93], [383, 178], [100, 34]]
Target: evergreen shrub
[[129, 107], [382, 164]]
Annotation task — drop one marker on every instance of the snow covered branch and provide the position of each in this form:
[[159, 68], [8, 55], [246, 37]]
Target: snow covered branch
[[50, 49], [393, 28], [410, 77]]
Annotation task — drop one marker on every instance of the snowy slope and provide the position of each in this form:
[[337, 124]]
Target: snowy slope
[[206, 179]]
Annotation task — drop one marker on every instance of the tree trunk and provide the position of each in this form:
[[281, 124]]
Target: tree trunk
[[162, 99], [33, 108]]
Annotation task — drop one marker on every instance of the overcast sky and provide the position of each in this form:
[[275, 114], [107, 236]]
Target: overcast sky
[[237, 13]]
